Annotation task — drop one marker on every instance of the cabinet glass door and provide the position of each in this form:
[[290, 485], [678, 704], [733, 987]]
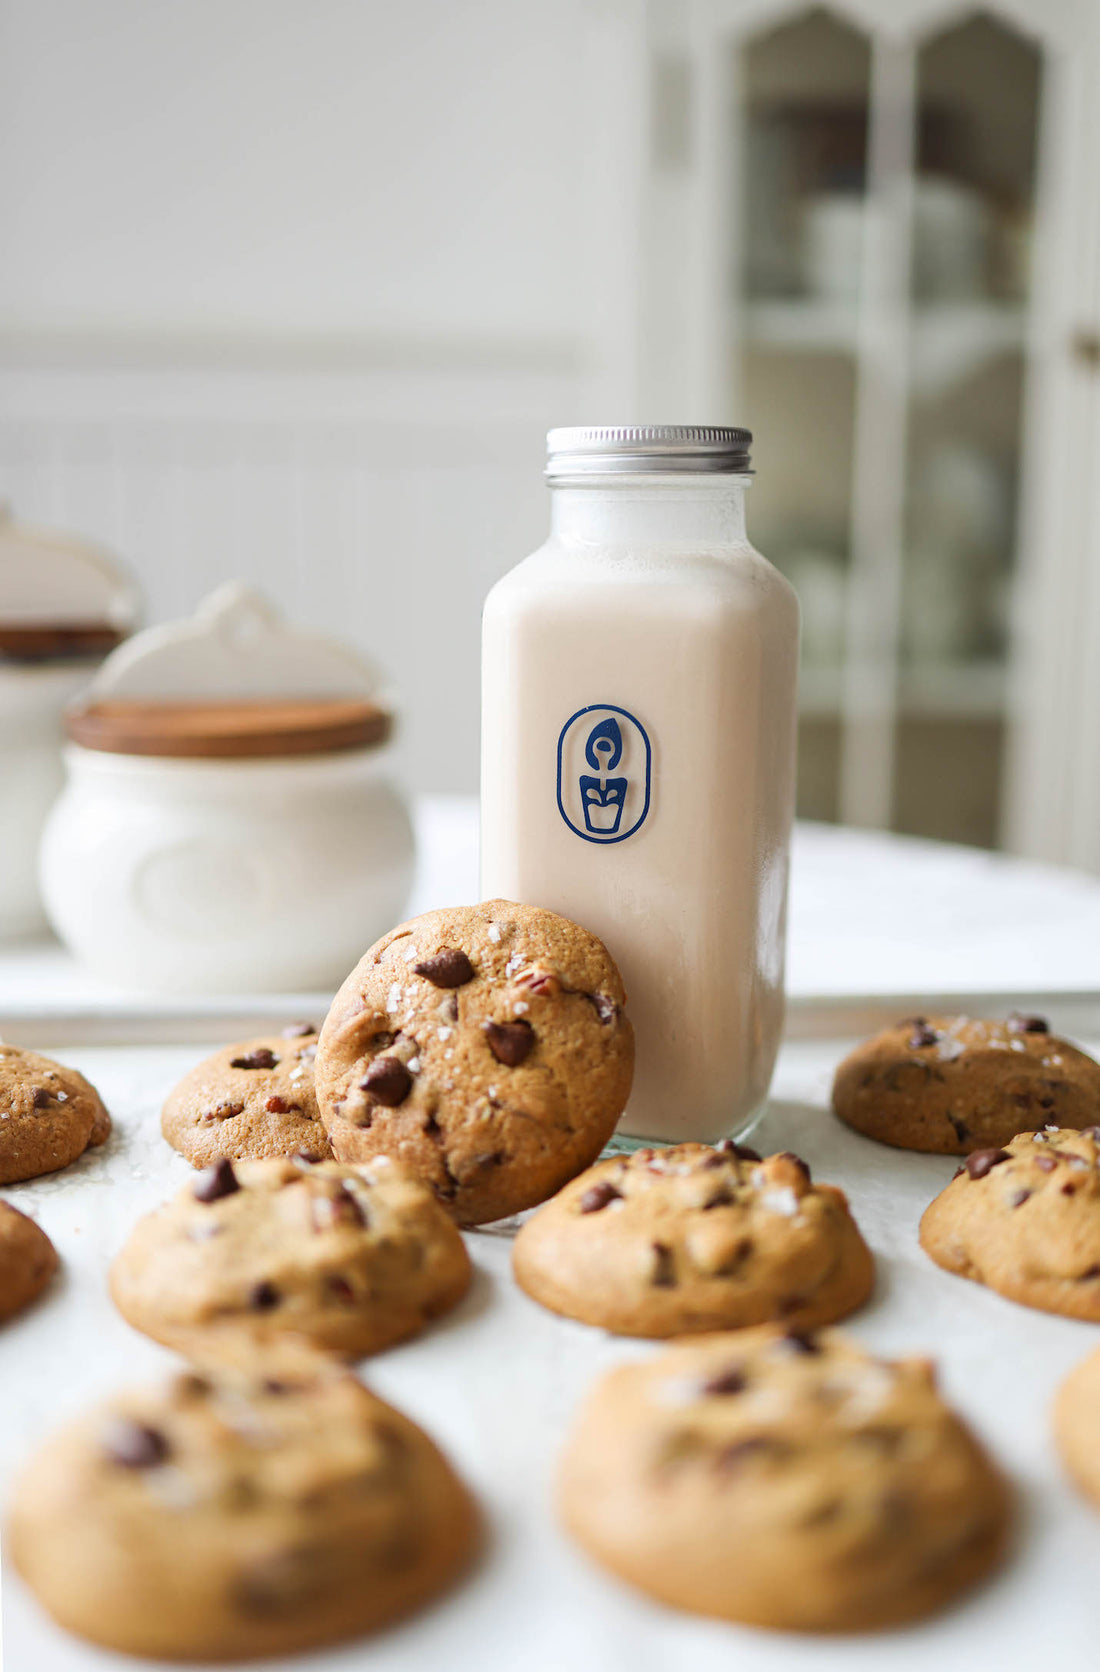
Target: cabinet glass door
[[881, 273]]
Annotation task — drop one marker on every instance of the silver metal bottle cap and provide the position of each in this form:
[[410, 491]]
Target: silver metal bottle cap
[[646, 449]]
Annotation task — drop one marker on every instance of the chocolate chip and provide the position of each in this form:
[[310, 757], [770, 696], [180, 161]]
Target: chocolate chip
[[788, 1155], [1069, 1189], [134, 1445], [957, 1174], [263, 1058], [1086, 1276], [664, 1267], [263, 1297], [960, 1128], [912, 1022], [510, 1042], [272, 1386], [40, 1097], [224, 1111], [800, 1341], [922, 1036], [756, 1445], [298, 1030], [982, 1161], [721, 1199], [340, 1208], [277, 1106], [606, 1008], [305, 1158], [1027, 1024], [215, 1182], [388, 1081], [190, 1386], [449, 968], [740, 1152], [598, 1196], [726, 1381], [1019, 1197], [341, 1288]]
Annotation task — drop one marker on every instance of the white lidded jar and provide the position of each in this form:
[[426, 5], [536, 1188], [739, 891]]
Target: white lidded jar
[[230, 821], [64, 604], [638, 755]]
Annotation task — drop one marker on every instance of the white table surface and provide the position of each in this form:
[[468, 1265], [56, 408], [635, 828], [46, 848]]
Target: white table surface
[[497, 1382], [870, 914]]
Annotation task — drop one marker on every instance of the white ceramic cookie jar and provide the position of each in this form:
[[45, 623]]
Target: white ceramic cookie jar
[[63, 605], [230, 821]]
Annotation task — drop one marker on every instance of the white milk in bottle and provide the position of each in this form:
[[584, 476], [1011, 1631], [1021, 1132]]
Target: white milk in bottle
[[638, 748]]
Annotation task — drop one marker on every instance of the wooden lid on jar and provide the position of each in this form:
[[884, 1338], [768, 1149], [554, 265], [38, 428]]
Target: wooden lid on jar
[[228, 730], [232, 682], [62, 599]]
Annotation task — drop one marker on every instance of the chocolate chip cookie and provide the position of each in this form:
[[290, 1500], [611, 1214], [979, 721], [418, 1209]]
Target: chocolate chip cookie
[[486, 1048], [673, 1241], [353, 1258], [251, 1102], [49, 1115], [783, 1480], [235, 1513], [28, 1259], [1077, 1425], [950, 1084], [1025, 1221]]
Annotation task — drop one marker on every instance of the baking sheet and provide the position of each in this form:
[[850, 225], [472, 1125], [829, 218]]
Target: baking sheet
[[498, 1380]]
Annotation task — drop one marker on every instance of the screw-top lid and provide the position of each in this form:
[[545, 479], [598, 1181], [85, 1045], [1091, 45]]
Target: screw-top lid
[[645, 449]]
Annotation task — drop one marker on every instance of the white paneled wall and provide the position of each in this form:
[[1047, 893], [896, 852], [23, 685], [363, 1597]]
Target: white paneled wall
[[379, 502], [292, 289]]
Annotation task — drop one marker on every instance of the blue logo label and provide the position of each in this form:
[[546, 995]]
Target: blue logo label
[[604, 768]]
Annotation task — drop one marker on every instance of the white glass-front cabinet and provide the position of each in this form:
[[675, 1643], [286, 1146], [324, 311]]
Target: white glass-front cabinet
[[871, 232]]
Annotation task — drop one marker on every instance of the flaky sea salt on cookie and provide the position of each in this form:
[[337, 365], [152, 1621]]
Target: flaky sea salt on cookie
[[353, 1258], [1025, 1221], [673, 1241], [952, 1084], [252, 1101]]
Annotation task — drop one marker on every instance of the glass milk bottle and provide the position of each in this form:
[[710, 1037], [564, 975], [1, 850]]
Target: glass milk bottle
[[638, 749]]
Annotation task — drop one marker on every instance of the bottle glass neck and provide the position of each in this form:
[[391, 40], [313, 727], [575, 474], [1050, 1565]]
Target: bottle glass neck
[[653, 511]]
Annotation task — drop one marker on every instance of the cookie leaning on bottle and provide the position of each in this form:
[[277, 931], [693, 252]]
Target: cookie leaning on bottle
[[483, 1047], [952, 1084]]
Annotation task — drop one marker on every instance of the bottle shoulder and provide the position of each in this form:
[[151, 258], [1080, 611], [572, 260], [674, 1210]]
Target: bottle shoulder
[[558, 571]]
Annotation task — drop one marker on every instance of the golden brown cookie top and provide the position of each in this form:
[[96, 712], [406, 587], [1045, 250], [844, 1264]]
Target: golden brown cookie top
[[1025, 1220], [28, 1259], [253, 1100], [49, 1115], [485, 1047], [667, 1241], [238, 1511], [714, 1472], [350, 1257], [950, 1084]]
